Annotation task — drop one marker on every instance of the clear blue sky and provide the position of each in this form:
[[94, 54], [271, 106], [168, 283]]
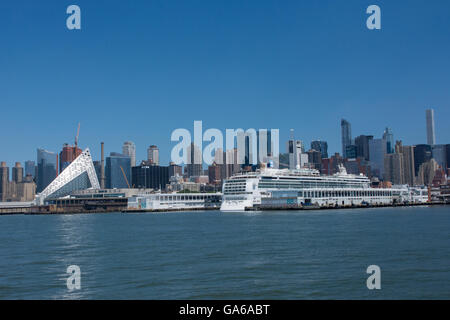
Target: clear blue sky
[[140, 69]]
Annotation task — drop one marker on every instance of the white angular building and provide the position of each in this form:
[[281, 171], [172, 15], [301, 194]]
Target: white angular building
[[79, 175]]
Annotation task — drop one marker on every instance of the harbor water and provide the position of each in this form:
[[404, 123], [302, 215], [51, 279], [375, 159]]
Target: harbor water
[[322, 254]]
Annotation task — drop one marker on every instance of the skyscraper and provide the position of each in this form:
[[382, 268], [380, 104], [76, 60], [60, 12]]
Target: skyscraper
[[67, 156], [408, 162], [129, 149], [30, 168], [362, 147], [46, 168], [264, 145], [321, 146], [431, 138], [154, 177], [118, 171], [195, 161], [439, 153], [4, 180], [153, 155], [393, 168], [377, 150], [389, 137], [296, 156], [346, 133], [422, 154]]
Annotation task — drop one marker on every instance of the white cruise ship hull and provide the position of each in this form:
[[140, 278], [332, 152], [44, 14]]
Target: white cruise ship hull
[[271, 189]]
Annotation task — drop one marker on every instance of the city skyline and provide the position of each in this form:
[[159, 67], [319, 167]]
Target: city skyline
[[136, 150], [229, 66]]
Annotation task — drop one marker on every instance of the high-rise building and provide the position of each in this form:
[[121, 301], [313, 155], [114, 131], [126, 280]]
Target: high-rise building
[[296, 153], [315, 159], [46, 168], [67, 155], [150, 176], [321, 146], [17, 173], [408, 163], [129, 149], [346, 134], [30, 168], [195, 161], [175, 170], [118, 171], [426, 172], [98, 169], [447, 152], [377, 150], [250, 151], [388, 136], [335, 161], [439, 153], [264, 146], [153, 155], [351, 151], [17, 189], [4, 180], [431, 138], [214, 174], [362, 146], [422, 154], [393, 168], [357, 166]]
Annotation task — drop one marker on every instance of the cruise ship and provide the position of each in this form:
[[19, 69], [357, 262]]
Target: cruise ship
[[306, 187]]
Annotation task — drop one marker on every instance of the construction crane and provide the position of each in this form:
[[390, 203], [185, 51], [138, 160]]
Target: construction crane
[[75, 150], [124, 175], [76, 137]]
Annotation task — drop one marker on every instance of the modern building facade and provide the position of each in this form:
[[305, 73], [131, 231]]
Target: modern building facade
[[422, 154], [377, 150], [362, 146], [439, 153], [315, 159], [431, 138], [351, 151], [79, 175], [118, 171], [150, 176], [46, 168], [30, 168], [388, 136], [321, 146], [346, 135]]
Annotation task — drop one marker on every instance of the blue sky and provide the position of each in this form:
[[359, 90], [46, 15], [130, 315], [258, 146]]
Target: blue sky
[[140, 69]]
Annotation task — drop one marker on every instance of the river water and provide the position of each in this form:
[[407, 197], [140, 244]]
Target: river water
[[320, 254]]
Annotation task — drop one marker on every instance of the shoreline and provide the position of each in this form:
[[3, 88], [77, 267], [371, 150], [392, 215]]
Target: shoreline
[[61, 211]]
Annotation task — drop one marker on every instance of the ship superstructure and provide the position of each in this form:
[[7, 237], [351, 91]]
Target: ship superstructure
[[249, 190]]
